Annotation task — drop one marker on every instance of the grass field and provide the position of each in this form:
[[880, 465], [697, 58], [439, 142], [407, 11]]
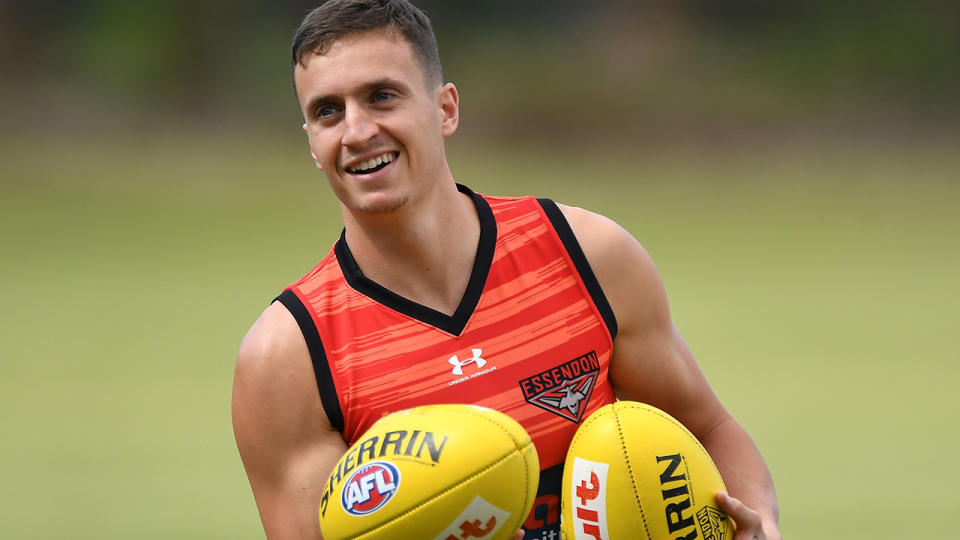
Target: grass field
[[817, 286]]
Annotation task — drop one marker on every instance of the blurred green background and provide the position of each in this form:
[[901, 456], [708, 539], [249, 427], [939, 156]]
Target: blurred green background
[[792, 168]]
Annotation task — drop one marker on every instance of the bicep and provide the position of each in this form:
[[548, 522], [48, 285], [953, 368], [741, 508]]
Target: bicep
[[659, 369], [287, 446], [288, 491]]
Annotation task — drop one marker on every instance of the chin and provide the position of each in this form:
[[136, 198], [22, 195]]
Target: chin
[[382, 206]]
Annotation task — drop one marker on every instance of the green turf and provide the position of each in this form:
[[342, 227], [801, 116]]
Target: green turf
[[817, 287]]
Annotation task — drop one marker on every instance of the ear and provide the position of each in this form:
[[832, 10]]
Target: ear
[[449, 101]]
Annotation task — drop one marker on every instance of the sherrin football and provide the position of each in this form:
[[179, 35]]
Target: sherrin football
[[440, 472], [634, 472]]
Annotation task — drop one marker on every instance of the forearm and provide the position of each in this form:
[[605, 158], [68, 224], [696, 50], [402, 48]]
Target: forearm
[[743, 469]]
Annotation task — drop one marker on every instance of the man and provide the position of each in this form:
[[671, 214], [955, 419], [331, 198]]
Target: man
[[431, 282]]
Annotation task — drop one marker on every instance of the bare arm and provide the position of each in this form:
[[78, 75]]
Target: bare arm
[[652, 363], [285, 440]]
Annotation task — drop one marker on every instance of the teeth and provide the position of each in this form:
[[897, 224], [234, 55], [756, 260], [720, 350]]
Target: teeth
[[369, 164]]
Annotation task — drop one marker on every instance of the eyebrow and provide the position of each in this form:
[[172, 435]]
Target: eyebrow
[[365, 88]]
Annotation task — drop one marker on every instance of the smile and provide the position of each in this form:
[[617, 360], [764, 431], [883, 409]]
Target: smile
[[374, 164]]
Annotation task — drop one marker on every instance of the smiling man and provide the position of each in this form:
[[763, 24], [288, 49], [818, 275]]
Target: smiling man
[[437, 294]]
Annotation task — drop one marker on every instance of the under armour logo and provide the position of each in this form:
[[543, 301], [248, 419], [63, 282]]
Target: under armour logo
[[458, 365]]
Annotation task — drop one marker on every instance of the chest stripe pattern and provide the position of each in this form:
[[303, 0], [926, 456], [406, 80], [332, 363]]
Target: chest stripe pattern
[[533, 336]]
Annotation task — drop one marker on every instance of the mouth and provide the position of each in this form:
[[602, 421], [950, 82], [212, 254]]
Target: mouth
[[374, 164]]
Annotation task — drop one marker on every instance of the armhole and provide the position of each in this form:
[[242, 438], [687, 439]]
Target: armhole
[[321, 368], [570, 243]]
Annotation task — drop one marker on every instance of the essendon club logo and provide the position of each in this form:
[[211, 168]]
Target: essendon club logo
[[564, 390]]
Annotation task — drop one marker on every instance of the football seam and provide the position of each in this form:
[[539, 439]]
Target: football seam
[[691, 436], [686, 431], [467, 479], [520, 449], [633, 482]]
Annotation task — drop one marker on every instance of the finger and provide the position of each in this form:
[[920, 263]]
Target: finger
[[519, 535], [748, 521]]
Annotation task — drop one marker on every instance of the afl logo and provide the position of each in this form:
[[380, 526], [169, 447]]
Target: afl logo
[[370, 487]]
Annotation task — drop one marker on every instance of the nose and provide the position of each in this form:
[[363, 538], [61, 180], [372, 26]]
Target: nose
[[360, 127]]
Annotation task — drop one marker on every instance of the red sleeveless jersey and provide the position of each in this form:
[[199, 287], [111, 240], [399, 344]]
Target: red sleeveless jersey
[[532, 337]]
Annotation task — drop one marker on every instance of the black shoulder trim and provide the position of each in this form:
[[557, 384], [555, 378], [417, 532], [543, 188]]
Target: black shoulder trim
[[321, 369], [570, 242], [453, 324]]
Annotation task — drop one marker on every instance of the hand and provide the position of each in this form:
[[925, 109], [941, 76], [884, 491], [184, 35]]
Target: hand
[[749, 523], [519, 535]]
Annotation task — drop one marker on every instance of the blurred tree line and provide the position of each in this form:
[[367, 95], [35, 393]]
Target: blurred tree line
[[520, 65]]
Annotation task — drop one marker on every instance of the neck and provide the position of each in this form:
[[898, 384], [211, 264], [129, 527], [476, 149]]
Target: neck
[[424, 251]]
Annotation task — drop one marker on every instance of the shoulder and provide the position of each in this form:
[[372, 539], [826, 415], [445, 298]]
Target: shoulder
[[274, 375], [273, 344], [271, 331], [599, 236], [624, 269]]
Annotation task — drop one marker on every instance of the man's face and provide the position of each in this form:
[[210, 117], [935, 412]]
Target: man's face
[[374, 126]]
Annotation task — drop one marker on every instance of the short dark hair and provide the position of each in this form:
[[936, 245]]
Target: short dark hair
[[336, 19]]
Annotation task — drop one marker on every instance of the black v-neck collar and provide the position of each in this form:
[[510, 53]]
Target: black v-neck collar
[[452, 324]]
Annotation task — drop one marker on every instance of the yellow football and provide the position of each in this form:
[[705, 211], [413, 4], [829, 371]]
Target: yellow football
[[633, 471], [436, 472]]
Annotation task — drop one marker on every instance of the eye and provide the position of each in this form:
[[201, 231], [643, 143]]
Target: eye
[[326, 111], [381, 96]]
